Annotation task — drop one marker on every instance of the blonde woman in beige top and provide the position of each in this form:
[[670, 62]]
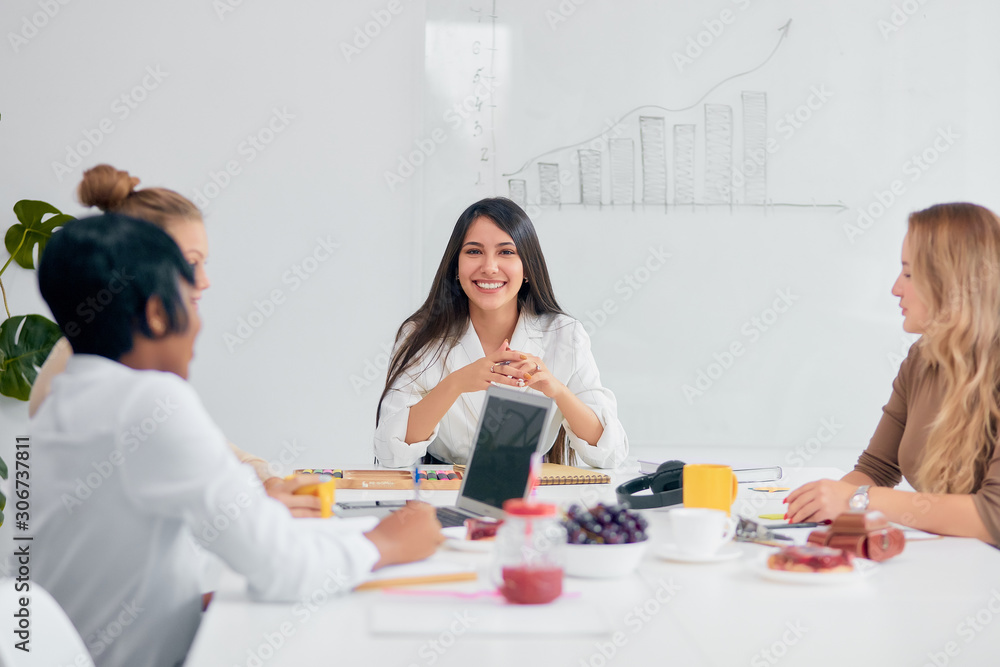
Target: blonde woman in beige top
[[940, 427], [112, 190]]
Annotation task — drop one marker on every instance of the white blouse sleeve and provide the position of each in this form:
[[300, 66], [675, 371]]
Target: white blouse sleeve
[[612, 449], [184, 470], [391, 448]]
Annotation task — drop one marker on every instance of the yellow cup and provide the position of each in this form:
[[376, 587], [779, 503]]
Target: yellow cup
[[709, 485], [325, 491]]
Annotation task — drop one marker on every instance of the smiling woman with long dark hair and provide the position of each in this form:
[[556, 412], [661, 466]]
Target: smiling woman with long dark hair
[[491, 317]]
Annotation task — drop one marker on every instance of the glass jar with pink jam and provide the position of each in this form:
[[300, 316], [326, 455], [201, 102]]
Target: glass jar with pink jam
[[529, 552]]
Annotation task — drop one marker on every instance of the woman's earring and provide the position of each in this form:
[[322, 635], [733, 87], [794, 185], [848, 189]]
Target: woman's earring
[[457, 279], [525, 281]]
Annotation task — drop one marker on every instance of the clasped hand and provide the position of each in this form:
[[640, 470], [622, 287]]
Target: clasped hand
[[508, 367]]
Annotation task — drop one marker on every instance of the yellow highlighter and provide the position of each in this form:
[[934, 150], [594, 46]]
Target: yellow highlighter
[[325, 491]]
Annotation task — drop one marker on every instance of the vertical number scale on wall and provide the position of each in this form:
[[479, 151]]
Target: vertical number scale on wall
[[466, 70], [483, 115]]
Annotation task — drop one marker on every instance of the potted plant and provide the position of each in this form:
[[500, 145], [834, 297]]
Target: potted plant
[[25, 340]]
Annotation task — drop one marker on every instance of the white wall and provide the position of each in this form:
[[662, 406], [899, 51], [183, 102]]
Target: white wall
[[854, 90], [289, 382], [306, 381]]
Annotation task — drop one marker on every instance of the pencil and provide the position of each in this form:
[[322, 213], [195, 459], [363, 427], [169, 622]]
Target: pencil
[[414, 581]]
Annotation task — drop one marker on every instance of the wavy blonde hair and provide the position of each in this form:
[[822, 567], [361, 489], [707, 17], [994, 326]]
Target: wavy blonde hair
[[955, 264]]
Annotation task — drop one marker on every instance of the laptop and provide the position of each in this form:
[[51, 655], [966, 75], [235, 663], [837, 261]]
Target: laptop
[[509, 432]]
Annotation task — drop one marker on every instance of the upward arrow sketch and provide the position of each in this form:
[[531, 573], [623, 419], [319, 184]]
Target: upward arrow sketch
[[784, 33]]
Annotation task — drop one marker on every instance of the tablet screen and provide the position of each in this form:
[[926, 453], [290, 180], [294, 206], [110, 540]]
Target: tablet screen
[[501, 460]]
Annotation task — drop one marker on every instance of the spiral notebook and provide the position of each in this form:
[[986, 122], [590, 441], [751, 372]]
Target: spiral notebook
[[554, 473]]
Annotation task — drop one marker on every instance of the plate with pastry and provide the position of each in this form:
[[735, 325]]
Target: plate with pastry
[[475, 535], [809, 564]]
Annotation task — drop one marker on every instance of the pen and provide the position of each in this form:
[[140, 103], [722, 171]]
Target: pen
[[804, 524], [536, 469]]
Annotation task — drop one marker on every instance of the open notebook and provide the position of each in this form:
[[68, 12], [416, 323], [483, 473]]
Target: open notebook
[[430, 571]]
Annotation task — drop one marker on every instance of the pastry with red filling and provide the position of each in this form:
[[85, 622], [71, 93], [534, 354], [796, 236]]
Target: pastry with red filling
[[811, 559], [481, 529]]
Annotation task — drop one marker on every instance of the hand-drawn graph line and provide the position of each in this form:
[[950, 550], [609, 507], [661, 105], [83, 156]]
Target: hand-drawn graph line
[[784, 33], [720, 176]]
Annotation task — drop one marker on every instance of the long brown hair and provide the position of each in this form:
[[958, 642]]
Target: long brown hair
[[444, 316], [955, 252]]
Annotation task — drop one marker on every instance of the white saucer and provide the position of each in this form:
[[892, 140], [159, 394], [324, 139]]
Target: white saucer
[[480, 546], [862, 569], [726, 553], [455, 539]]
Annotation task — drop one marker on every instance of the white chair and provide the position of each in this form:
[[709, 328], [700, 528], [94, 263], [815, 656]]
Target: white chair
[[54, 640]]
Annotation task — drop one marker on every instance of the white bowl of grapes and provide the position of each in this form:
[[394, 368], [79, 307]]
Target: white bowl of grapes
[[604, 541]]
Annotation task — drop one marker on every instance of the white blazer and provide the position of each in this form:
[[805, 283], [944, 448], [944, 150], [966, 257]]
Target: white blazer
[[564, 346]]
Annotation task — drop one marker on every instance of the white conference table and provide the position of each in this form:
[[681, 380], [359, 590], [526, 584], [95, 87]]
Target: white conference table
[[938, 603]]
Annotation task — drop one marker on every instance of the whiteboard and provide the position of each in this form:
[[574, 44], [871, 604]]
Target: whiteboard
[[721, 189]]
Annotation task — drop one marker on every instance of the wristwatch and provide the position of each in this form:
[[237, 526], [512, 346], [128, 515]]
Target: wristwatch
[[859, 501]]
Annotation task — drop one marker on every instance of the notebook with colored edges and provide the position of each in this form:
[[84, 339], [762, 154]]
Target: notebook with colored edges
[[554, 474], [430, 571], [744, 474], [431, 479]]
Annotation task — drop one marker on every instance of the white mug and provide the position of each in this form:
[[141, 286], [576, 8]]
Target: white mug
[[700, 531]]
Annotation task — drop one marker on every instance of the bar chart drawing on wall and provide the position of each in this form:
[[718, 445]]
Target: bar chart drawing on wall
[[714, 152], [647, 161]]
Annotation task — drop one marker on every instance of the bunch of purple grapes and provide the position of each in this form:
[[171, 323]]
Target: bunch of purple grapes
[[604, 524]]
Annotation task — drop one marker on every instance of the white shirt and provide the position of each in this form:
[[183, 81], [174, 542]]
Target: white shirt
[[127, 471], [564, 347]]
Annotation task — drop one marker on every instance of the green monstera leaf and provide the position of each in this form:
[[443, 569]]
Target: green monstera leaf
[[3, 499], [23, 348], [22, 237]]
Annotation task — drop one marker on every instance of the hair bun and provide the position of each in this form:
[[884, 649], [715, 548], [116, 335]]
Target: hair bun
[[105, 187]]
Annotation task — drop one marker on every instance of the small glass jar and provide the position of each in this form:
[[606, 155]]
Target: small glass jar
[[529, 553]]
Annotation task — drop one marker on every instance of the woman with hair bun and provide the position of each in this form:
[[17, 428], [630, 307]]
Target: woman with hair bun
[[114, 191], [491, 317], [940, 427]]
